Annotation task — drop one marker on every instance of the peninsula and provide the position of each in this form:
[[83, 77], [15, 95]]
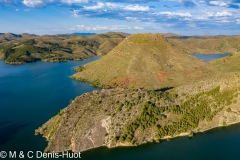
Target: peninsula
[[153, 90]]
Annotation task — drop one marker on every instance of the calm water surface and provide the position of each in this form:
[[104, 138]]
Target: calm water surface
[[209, 57], [31, 94]]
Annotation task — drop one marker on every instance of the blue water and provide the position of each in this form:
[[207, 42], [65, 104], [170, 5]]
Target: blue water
[[31, 94], [209, 57], [216, 144]]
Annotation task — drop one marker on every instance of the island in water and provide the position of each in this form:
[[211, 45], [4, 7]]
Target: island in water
[[153, 89]]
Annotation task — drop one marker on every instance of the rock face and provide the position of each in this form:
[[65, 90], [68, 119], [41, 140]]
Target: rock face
[[128, 117], [144, 61], [75, 128]]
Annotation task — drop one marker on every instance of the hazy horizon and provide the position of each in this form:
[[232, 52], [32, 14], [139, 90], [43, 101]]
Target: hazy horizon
[[119, 32], [185, 17]]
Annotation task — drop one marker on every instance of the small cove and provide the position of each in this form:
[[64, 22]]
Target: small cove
[[210, 57]]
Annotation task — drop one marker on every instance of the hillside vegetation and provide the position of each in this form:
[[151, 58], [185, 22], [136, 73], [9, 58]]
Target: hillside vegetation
[[144, 61], [129, 117], [227, 64], [19, 49], [158, 91]]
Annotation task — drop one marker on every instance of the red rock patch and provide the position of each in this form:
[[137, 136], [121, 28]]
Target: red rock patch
[[161, 76], [126, 81]]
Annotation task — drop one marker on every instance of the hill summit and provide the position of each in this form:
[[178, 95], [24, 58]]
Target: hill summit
[[144, 61]]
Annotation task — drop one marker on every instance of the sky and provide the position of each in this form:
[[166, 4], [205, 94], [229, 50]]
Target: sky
[[185, 17]]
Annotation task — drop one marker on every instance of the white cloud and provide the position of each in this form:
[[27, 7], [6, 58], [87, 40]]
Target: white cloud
[[36, 3], [201, 17], [138, 28], [136, 8], [75, 13], [112, 5], [132, 19], [173, 14], [238, 21], [223, 14], [116, 6], [218, 3], [74, 1], [99, 5], [224, 21], [209, 14], [33, 3], [103, 28], [41, 3]]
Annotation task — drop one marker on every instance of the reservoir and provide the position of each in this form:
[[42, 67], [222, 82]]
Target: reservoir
[[209, 57], [31, 94]]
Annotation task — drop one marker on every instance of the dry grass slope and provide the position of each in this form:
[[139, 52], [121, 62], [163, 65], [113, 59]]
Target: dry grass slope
[[144, 61]]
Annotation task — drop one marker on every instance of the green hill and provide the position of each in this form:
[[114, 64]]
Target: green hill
[[144, 61], [55, 48]]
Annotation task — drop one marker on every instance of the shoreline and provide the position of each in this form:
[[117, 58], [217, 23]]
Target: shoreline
[[101, 101], [167, 138], [163, 139], [224, 118], [44, 60]]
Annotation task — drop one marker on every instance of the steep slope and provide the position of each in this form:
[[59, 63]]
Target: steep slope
[[228, 64], [144, 61]]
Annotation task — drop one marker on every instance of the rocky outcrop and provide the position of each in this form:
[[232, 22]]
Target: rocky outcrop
[[129, 117]]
